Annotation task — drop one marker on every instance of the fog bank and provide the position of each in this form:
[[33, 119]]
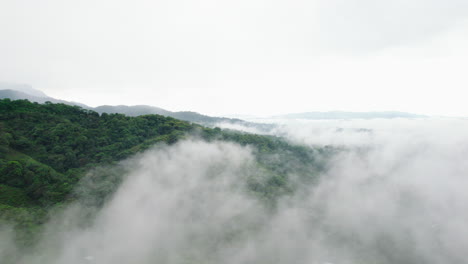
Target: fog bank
[[395, 193]]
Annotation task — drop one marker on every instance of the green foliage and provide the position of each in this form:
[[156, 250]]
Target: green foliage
[[12, 173], [13, 196], [38, 181], [54, 140]]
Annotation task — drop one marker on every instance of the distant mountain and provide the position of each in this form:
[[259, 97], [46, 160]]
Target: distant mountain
[[135, 110], [17, 92], [23, 91], [25, 88], [194, 117], [349, 115], [18, 95], [138, 110]]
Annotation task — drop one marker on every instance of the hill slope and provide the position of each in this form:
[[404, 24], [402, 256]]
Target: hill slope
[[46, 150]]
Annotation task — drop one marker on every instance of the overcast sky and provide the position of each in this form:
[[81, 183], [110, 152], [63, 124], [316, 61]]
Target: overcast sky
[[242, 57]]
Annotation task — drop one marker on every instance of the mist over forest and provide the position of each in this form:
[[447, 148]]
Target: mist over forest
[[233, 132], [327, 191]]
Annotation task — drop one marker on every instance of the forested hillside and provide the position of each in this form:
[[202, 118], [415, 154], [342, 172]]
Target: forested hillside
[[46, 149]]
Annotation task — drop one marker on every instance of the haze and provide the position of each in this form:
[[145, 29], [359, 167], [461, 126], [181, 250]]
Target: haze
[[242, 57]]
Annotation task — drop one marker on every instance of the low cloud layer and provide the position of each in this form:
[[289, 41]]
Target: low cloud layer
[[395, 193]]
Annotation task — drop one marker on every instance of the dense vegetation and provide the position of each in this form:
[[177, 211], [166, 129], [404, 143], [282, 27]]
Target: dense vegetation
[[46, 149]]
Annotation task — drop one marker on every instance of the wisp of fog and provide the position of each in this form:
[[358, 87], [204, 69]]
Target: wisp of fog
[[395, 192]]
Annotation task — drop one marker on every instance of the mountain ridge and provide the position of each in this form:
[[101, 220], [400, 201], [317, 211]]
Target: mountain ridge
[[132, 110], [20, 91]]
